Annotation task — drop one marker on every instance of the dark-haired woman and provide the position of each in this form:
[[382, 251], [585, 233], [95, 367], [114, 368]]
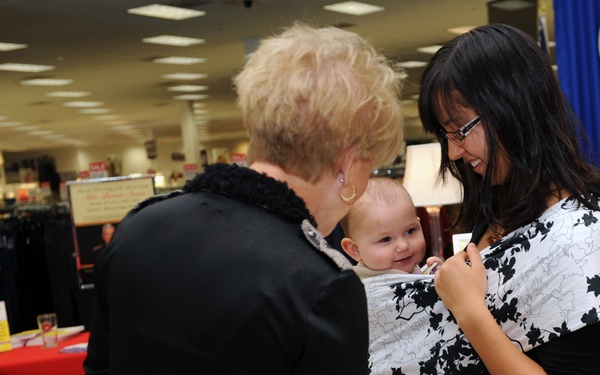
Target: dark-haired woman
[[530, 196]]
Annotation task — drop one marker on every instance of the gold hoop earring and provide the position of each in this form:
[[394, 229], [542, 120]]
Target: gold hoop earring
[[351, 197]]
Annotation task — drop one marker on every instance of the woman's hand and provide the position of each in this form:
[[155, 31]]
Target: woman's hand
[[462, 287]]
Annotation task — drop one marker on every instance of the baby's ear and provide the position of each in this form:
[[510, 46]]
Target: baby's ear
[[350, 248]]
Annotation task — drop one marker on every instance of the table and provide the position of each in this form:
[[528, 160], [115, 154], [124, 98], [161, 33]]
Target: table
[[35, 361]]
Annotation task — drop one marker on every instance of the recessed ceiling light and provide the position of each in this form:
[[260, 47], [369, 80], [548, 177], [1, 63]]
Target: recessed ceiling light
[[165, 11], [413, 64], [460, 30], [429, 49], [68, 94], [4, 47], [190, 97], [179, 60], [29, 68], [95, 111], [172, 40], [354, 8], [82, 104], [185, 76], [188, 88], [46, 82]]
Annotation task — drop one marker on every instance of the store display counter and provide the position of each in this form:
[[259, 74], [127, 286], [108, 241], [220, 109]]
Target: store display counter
[[65, 359]]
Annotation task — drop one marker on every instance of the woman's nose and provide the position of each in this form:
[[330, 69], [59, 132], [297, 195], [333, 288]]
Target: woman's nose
[[455, 152]]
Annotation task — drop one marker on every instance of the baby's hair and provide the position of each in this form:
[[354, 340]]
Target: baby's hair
[[379, 189]]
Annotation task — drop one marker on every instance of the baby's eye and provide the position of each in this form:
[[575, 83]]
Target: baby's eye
[[411, 231], [385, 239]]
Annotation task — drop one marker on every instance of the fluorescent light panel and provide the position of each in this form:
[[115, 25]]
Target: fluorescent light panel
[[172, 40], [413, 64], [460, 29], [26, 128], [46, 82], [354, 8], [185, 76], [179, 60], [10, 124], [40, 132], [68, 94], [95, 111], [82, 104], [429, 49], [188, 88], [190, 97], [107, 117], [28, 68], [165, 11], [4, 47]]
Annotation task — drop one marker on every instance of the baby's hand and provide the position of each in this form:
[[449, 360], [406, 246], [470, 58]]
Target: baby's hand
[[432, 264]]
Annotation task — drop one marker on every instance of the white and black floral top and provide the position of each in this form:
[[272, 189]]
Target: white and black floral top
[[543, 284]]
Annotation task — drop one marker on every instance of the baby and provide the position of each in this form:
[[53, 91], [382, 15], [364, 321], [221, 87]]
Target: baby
[[383, 232]]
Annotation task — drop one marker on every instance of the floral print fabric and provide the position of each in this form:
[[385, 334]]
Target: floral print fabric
[[543, 282]]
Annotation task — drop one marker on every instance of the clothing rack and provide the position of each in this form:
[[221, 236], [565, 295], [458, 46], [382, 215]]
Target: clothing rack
[[29, 209], [38, 272]]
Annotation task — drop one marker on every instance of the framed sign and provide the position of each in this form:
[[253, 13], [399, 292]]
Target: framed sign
[[97, 208]]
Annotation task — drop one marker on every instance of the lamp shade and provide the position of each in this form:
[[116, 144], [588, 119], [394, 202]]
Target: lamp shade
[[421, 177]]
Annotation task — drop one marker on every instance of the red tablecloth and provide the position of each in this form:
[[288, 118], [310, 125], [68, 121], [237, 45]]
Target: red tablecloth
[[37, 361]]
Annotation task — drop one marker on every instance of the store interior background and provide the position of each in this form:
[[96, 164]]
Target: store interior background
[[98, 45]]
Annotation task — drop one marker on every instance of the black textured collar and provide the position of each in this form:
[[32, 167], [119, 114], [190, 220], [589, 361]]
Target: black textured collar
[[251, 187]]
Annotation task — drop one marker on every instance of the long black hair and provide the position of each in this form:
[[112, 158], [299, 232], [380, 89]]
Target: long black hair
[[505, 77]]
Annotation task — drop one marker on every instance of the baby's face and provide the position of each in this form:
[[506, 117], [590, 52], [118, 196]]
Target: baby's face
[[390, 236]]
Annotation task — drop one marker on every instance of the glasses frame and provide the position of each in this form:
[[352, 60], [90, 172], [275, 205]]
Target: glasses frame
[[459, 136]]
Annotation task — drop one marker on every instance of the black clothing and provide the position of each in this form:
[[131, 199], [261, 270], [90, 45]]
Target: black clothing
[[228, 276]]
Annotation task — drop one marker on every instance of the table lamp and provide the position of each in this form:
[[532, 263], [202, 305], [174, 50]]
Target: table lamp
[[427, 190]]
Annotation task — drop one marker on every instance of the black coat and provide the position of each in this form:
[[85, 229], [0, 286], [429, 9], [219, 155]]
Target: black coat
[[226, 277]]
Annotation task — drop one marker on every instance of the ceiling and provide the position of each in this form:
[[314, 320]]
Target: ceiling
[[98, 45]]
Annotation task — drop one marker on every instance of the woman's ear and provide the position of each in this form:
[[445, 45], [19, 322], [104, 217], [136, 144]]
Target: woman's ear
[[346, 164], [350, 248]]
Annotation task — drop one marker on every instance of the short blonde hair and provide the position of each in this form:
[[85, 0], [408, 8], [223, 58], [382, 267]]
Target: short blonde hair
[[310, 94], [379, 189]]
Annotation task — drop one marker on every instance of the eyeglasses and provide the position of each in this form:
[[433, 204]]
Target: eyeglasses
[[459, 136]]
